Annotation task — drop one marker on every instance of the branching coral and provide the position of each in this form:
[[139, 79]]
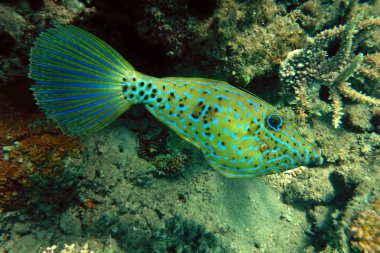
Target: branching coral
[[330, 59]]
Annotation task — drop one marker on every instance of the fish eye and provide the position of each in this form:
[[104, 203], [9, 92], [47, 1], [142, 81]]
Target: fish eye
[[274, 121]]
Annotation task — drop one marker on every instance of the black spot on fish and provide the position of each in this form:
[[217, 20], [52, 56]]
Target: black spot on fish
[[133, 88], [141, 93], [125, 88], [124, 79], [131, 96], [142, 84], [159, 100]]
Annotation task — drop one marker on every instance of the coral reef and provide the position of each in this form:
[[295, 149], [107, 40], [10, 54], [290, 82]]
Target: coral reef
[[264, 36], [365, 229], [244, 40], [20, 22], [32, 148], [128, 196], [330, 60]]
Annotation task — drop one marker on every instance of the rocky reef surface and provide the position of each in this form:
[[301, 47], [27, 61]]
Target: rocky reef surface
[[136, 187]]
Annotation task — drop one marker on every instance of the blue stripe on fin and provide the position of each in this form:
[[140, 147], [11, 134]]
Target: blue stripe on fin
[[79, 79]]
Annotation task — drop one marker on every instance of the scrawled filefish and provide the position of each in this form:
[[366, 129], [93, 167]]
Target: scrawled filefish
[[84, 84]]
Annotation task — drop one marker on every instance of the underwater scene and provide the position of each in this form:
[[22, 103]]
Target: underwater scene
[[184, 126]]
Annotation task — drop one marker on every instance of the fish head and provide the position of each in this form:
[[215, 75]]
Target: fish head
[[282, 147]]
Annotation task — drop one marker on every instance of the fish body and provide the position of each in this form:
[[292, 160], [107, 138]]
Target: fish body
[[84, 85]]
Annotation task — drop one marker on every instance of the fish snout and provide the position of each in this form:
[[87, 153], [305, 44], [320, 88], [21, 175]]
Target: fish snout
[[314, 157]]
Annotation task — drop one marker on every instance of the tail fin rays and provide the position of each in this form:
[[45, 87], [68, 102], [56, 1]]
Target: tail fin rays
[[79, 79]]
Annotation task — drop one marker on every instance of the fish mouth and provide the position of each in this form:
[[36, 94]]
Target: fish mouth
[[318, 158]]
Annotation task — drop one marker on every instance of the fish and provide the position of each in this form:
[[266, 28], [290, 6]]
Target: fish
[[83, 84]]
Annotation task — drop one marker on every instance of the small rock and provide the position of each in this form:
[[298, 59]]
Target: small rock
[[313, 188], [21, 228], [70, 224], [285, 216], [358, 117]]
